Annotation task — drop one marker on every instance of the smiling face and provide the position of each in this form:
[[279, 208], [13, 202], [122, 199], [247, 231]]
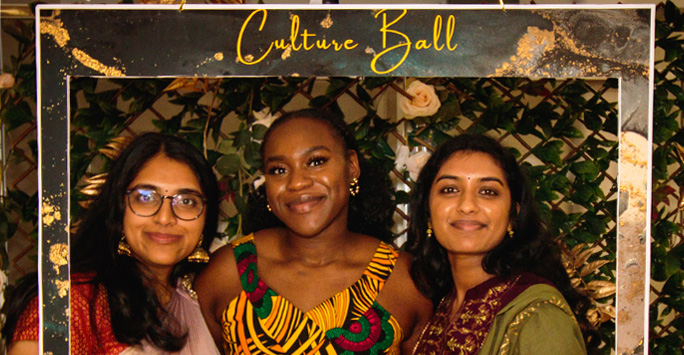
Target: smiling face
[[162, 240], [308, 173], [470, 204]]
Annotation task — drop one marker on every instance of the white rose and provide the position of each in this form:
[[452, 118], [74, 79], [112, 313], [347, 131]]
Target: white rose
[[415, 163], [402, 157], [264, 117], [259, 181], [6, 81], [424, 103], [411, 162]]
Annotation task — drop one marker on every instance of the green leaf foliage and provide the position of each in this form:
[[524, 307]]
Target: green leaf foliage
[[546, 114], [667, 250]]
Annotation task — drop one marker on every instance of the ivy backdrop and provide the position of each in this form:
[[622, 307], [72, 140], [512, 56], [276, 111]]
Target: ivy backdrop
[[563, 132]]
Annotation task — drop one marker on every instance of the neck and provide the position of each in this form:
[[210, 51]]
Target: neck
[[467, 273], [320, 249]]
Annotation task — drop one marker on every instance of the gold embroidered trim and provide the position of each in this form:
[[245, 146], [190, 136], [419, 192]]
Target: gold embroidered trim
[[186, 282]]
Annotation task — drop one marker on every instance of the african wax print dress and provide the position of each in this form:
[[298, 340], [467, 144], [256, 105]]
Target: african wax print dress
[[259, 321]]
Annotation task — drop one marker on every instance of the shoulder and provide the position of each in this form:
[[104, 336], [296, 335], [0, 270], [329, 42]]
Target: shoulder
[[401, 286], [403, 300], [541, 309], [27, 325], [538, 295], [222, 266]]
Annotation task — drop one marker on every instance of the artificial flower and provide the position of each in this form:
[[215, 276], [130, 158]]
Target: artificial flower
[[259, 181], [6, 81], [413, 163], [264, 117], [425, 101]]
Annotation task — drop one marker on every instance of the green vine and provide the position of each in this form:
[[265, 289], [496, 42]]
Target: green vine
[[667, 246]]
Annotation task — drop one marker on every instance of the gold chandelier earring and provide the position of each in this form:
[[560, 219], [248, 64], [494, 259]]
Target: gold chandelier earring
[[124, 248], [428, 232], [510, 232], [354, 187], [199, 255]]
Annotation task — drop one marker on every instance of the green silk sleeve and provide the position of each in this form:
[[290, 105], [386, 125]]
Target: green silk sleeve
[[538, 321], [548, 330]]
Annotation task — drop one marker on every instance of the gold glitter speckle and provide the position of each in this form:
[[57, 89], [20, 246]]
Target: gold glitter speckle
[[94, 64], [287, 52], [327, 22], [55, 28], [51, 213], [62, 287], [59, 255], [531, 47], [218, 56]]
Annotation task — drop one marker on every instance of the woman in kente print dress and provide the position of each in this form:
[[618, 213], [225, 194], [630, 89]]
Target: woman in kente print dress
[[483, 257], [314, 278]]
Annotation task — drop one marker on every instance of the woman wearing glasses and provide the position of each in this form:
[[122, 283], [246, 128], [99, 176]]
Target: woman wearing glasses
[[133, 255]]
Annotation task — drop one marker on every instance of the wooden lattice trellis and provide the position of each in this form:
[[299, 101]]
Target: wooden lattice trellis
[[525, 95], [521, 96]]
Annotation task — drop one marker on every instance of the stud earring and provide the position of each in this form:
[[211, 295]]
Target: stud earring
[[268, 207], [354, 187], [428, 232], [124, 248], [199, 255]]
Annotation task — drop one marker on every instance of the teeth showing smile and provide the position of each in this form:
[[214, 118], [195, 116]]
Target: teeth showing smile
[[303, 203]]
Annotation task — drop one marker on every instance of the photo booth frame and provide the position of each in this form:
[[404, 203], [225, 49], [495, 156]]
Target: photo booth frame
[[536, 41]]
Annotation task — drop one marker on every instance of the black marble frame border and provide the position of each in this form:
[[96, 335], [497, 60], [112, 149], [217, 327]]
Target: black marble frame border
[[536, 41]]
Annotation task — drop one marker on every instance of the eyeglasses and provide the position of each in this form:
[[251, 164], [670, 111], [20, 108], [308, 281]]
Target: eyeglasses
[[145, 203]]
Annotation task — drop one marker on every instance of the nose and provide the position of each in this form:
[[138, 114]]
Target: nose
[[299, 179], [467, 203], [165, 215]]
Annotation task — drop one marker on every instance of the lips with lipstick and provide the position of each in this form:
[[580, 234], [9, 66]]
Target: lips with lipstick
[[467, 225], [163, 238], [304, 203]]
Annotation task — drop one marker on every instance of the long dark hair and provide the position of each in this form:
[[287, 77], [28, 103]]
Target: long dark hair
[[531, 250], [370, 211], [136, 312]]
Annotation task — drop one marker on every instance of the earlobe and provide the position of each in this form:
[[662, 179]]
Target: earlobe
[[354, 166]]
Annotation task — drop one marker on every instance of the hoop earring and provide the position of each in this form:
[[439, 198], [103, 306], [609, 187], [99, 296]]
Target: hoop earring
[[428, 232], [124, 248], [354, 187], [268, 207], [199, 255]]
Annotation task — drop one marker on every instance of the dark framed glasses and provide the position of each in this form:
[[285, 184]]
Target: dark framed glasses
[[147, 202]]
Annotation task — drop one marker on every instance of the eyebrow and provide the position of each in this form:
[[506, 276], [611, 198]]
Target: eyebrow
[[483, 179], [156, 189], [279, 158]]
